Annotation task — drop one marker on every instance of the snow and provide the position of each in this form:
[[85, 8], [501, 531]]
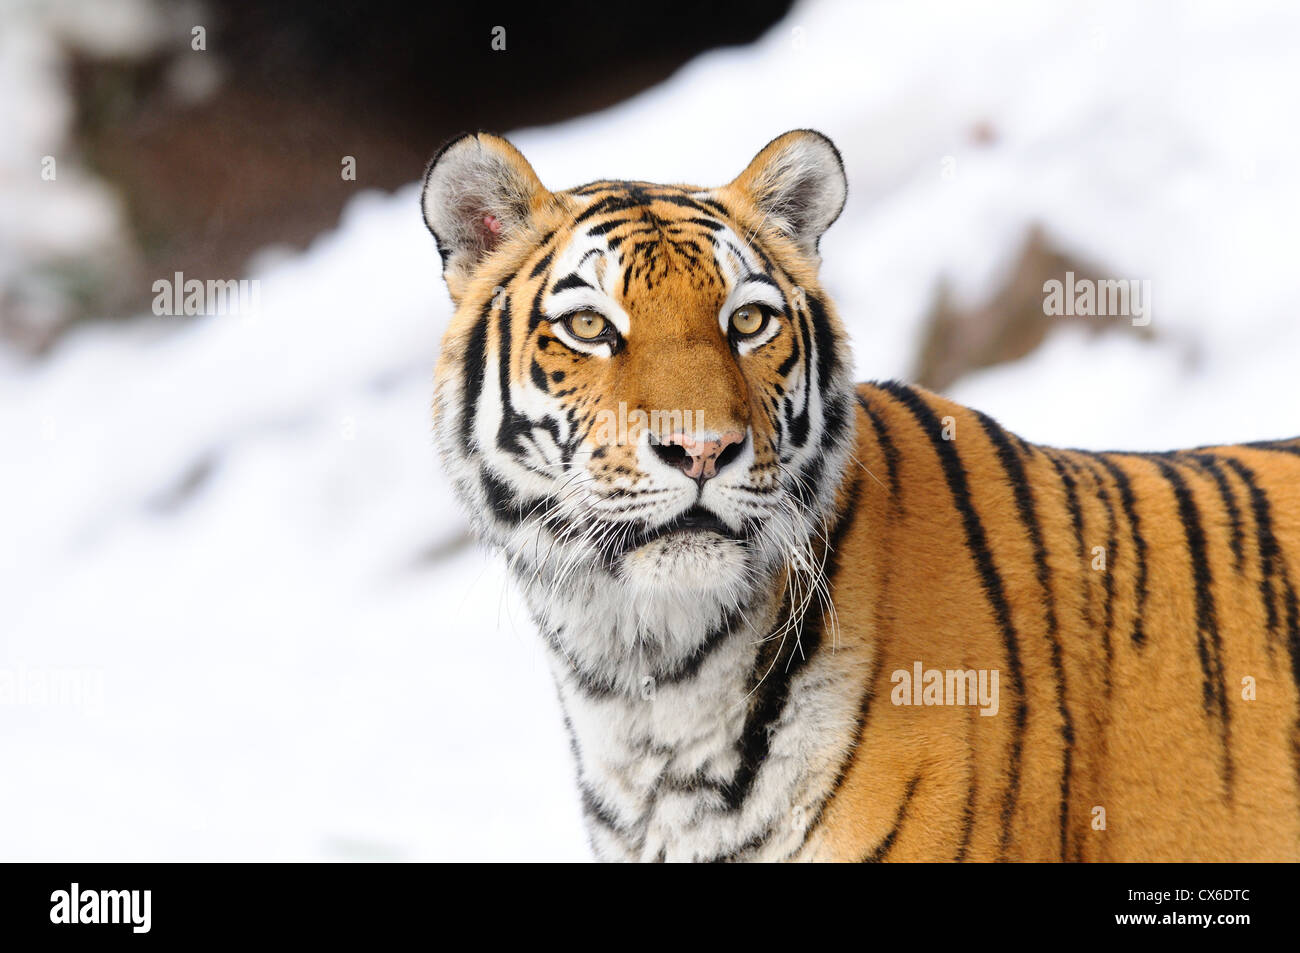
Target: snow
[[230, 535]]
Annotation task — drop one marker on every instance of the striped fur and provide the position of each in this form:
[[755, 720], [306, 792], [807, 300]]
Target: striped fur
[[730, 690]]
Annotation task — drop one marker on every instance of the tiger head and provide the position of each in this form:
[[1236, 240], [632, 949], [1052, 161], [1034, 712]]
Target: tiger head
[[643, 387]]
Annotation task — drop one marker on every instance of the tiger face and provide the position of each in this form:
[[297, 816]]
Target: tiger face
[[643, 389]]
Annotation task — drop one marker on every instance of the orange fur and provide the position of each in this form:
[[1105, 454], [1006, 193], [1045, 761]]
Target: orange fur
[[1144, 747]]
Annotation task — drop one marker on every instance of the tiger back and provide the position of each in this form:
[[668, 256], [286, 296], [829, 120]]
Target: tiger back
[[1141, 612]]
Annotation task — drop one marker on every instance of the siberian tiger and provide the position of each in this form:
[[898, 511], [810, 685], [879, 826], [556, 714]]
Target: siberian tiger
[[791, 618]]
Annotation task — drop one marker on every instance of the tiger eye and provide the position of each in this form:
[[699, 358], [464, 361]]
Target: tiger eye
[[586, 325], [747, 320]]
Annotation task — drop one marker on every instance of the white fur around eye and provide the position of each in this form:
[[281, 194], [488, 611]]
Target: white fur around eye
[[591, 260], [586, 299]]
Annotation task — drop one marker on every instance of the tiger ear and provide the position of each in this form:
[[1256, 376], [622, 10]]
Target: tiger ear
[[797, 183], [479, 191]]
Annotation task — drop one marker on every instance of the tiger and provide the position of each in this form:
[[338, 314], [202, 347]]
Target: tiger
[[794, 618]]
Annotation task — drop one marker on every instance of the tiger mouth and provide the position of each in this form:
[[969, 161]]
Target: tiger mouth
[[695, 520]]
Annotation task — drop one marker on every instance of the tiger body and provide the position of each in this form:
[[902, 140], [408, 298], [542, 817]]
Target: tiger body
[[1122, 681], [736, 586]]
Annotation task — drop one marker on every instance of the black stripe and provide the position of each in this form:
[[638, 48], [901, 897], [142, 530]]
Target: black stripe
[[628, 196], [1208, 644], [717, 207], [539, 379], [1211, 465], [1273, 563], [503, 501], [604, 228], [594, 809], [610, 203], [690, 666], [570, 281], [597, 686], [887, 445], [1265, 542], [835, 417], [513, 424], [1075, 510], [475, 370], [757, 277], [536, 317], [1108, 577], [1272, 567], [887, 843], [828, 357], [1067, 476], [737, 853], [691, 784], [991, 581], [589, 683], [1013, 465], [542, 264], [710, 223], [676, 198], [773, 677], [1276, 446], [591, 188], [967, 820], [795, 354], [800, 423], [1129, 505]]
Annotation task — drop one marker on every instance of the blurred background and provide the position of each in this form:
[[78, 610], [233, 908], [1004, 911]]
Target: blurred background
[[240, 617]]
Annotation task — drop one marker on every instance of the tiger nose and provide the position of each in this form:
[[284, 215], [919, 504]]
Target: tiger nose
[[699, 459]]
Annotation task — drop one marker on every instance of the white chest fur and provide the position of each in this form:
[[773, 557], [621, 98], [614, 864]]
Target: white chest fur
[[722, 749]]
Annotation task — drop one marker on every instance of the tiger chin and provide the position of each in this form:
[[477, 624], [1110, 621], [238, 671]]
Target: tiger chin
[[794, 618]]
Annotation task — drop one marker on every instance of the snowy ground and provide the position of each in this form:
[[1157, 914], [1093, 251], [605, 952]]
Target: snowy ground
[[236, 616]]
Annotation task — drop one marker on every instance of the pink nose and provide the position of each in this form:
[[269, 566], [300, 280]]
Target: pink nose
[[699, 459]]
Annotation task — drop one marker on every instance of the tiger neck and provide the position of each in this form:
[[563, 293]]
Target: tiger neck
[[715, 737]]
